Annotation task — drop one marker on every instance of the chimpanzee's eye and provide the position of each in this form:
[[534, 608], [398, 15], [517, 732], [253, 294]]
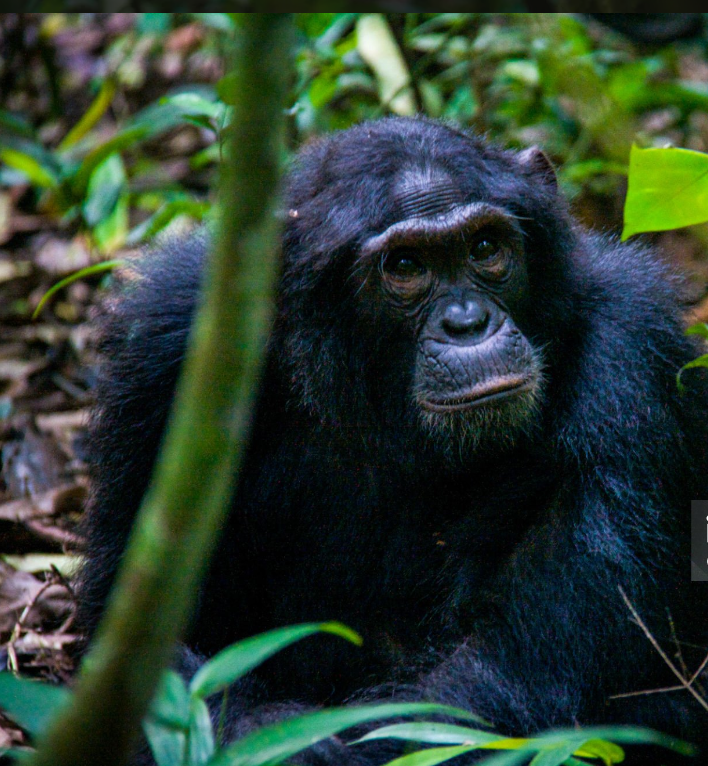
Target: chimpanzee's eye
[[403, 265], [484, 249]]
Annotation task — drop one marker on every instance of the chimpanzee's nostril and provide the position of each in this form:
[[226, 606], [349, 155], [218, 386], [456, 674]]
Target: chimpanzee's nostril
[[463, 320]]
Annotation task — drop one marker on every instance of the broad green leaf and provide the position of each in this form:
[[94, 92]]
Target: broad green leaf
[[433, 734], [667, 189], [31, 704], [167, 745], [274, 744], [149, 122], [168, 112], [97, 268], [124, 139], [196, 105], [431, 757], [232, 663], [110, 233], [201, 734], [105, 186], [171, 704]]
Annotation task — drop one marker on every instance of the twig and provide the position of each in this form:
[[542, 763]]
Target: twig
[[644, 692], [684, 682]]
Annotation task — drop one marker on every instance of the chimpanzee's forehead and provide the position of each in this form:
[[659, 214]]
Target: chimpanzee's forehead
[[424, 191]]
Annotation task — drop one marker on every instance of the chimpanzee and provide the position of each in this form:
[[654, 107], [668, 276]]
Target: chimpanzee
[[468, 439]]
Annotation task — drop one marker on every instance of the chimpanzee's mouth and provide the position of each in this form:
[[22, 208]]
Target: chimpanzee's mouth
[[487, 392]]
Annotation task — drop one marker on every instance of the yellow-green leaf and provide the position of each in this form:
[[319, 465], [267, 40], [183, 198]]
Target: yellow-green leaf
[[35, 172], [667, 189], [91, 116]]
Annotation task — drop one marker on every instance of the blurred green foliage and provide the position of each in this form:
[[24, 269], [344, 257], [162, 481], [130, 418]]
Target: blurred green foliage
[[179, 728], [581, 92]]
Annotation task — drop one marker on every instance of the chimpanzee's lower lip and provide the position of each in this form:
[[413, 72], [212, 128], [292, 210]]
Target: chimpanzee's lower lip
[[484, 393]]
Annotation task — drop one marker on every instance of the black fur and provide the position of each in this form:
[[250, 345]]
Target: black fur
[[489, 578]]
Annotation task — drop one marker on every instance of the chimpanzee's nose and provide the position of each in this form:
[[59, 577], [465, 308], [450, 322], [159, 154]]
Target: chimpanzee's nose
[[468, 318]]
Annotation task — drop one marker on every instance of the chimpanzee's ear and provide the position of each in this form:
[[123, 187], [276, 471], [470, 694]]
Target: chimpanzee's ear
[[536, 161]]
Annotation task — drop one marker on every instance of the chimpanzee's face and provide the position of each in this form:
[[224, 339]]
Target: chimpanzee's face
[[453, 274]]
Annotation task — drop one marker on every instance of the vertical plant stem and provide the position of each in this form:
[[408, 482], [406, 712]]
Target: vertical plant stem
[[186, 503]]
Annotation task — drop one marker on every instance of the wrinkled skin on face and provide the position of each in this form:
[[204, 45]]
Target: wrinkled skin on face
[[453, 277]]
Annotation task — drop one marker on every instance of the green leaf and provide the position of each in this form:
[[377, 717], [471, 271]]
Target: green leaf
[[167, 745], [700, 328], [97, 268], [430, 757], [608, 752], [232, 663], [507, 758], [638, 735], [201, 734], [149, 122], [171, 704], [196, 105], [667, 189], [702, 361], [591, 742], [31, 704], [92, 115], [556, 755], [125, 138], [40, 175], [169, 112], [168, 720], [433, 734], [273, 744], [156, 23], [105, 186], [110, 233], [314, 24], [161, 218]]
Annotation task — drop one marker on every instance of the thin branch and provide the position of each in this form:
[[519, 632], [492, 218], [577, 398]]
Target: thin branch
[[685, 683]]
